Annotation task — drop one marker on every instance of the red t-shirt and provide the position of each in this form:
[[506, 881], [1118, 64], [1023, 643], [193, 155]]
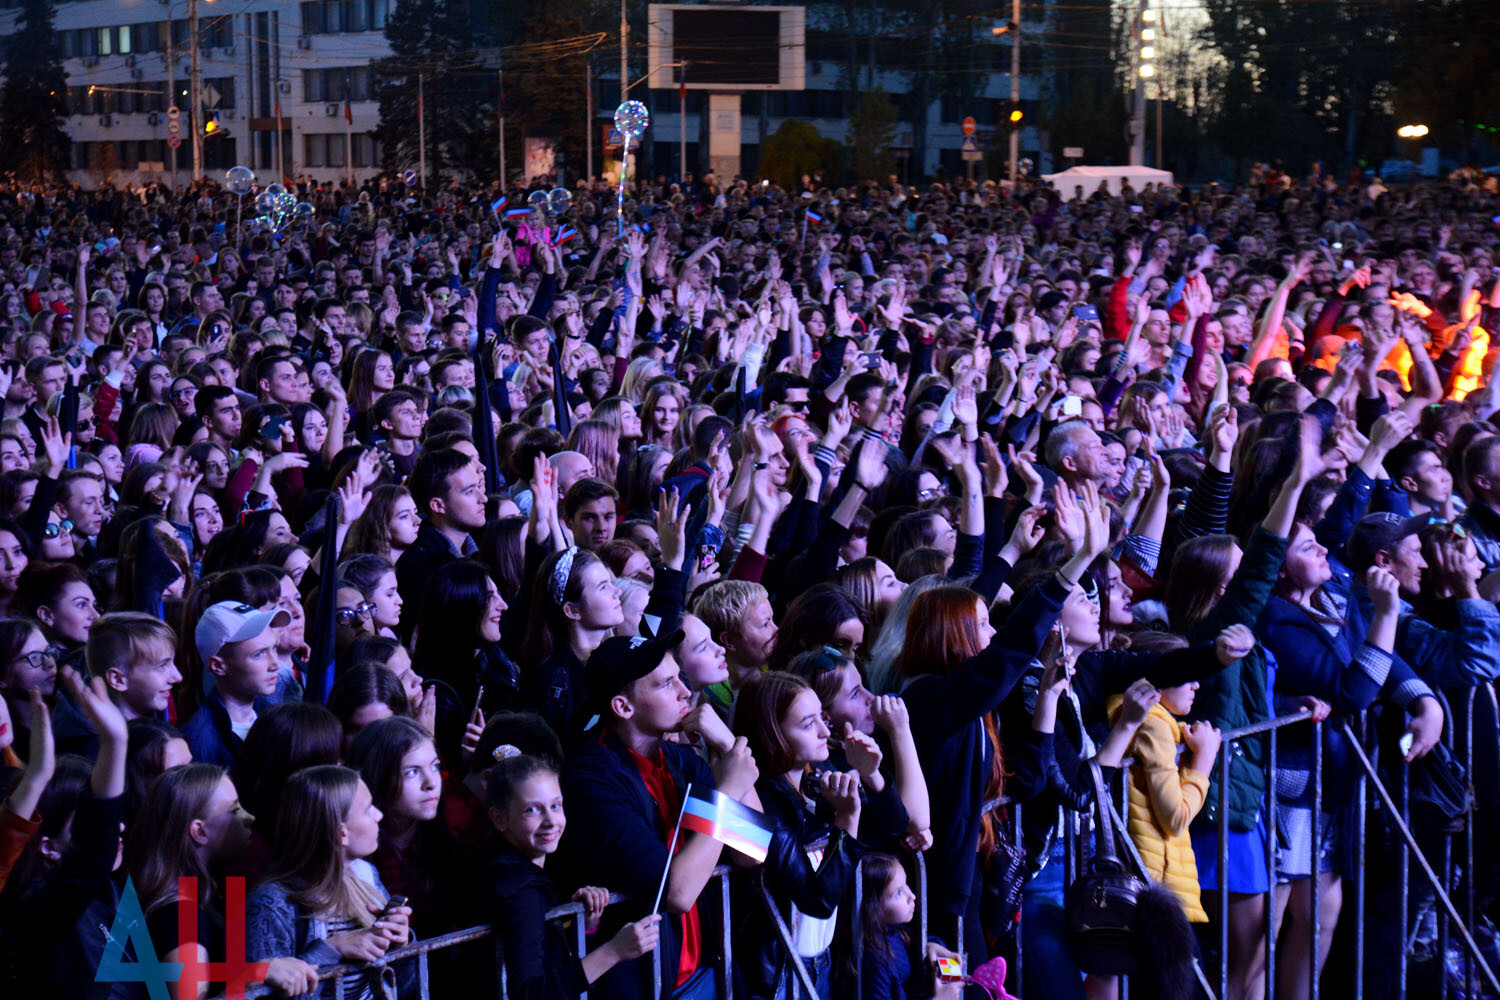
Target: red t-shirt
[[664, 793]]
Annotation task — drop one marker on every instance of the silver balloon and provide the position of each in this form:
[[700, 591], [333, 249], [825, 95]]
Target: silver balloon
[[306, 210], [239, 180], [537, 199], [265, 202], [1024, 166], [632, 118], [559, 200], [276, 189]]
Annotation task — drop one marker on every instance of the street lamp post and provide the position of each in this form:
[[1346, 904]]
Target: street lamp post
[[196, 87]]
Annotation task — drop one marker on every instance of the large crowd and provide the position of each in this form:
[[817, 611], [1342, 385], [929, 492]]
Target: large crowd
[[413, 558]]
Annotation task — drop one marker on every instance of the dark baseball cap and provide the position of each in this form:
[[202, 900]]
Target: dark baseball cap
[[1375, 533], [620, 660]]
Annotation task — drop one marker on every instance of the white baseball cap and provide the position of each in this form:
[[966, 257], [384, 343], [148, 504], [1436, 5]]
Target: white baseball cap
[[231, 621]]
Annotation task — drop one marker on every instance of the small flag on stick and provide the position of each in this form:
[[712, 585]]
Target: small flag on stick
[[729, 822]]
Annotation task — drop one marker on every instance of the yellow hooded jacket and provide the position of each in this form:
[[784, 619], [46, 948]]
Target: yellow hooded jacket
[[1164, 798]]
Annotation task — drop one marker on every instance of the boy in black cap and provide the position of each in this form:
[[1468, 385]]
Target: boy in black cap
[[625, 790]]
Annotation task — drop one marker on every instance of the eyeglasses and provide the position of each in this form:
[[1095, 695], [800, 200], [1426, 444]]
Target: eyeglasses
[[53, 530], [38, 660], [932, 493], [352, 616], [186, 392]]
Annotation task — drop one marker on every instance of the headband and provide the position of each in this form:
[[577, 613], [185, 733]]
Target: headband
[[506, 751], [558, 584]]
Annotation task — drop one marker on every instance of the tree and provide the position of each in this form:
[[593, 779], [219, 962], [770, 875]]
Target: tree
[[34, 99], [795, 149], [547, 96], [435, 41], [872, 130]]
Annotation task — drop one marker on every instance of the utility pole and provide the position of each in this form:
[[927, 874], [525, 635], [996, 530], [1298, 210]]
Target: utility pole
[[421, 134], [682, 125], [276, 83], [171, 89], [1015, 89], [500, 105], [588, 119], [196, 87], [624, 56]]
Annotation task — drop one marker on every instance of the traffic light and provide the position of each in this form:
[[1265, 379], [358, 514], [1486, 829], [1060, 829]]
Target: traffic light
[[1013, 114], [211, 124]]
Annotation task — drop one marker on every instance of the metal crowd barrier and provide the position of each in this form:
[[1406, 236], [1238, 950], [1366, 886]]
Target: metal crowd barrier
[[1076, 840], [346, 976]]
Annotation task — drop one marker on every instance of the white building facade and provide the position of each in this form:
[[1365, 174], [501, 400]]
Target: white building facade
[[264, 63]]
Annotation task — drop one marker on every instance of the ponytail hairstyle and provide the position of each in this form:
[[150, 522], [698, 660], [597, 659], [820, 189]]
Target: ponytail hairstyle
[[510, 774], [558, 582], [307, 858]]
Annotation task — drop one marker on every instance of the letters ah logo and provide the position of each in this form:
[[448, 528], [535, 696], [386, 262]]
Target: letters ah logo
[[130, 927]]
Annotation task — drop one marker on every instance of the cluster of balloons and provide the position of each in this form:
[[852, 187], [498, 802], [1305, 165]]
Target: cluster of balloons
[[275, 206], [552, 203]]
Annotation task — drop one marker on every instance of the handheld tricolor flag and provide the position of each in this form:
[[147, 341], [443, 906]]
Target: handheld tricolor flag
[[731, 823], [498, 205], [813, 217], [564, 234], [516, 214]]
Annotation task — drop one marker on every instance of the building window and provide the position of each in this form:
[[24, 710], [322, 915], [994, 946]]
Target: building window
[[333, 17], [327, 149]]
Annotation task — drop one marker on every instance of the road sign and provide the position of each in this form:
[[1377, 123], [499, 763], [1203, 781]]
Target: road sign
[[174, 128], [969, 125], [410, 177], [973, 156], [211, 97], [174, 140], [173, 113], [1073, 152], [969, 145]]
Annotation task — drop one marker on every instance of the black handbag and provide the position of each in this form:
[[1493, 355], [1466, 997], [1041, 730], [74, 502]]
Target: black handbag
[[1101, 902], [1005, 874]]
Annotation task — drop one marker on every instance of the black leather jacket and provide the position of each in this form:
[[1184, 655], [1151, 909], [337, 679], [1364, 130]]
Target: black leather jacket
[[792, 881]]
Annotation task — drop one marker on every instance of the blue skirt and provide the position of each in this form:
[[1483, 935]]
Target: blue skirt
[[1247, 859]]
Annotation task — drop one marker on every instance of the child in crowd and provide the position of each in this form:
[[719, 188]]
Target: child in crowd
[[1165, 795]]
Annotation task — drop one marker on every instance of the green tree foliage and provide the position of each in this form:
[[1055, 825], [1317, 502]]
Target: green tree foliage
[[872, 130], [436, 40], [33, 100], [545, 94], [797, 149]]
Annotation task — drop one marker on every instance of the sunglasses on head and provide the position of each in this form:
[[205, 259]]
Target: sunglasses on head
[[53, 530]]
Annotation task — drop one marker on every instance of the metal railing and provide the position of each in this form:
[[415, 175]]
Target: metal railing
[[346, 976], [1452, 917]]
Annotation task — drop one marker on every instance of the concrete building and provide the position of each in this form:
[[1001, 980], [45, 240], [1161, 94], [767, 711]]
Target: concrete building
[[125, 57]]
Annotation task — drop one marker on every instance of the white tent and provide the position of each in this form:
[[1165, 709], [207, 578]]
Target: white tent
[[1091, 177]]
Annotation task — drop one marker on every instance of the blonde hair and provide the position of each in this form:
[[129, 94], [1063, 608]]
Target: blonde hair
[[723, 605], [637, 374], [599, 442]]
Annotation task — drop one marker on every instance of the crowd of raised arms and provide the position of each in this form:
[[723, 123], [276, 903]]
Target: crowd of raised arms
[[410, 562]]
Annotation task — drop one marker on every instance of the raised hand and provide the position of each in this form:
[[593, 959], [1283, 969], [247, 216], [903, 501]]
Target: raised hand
[[1234, 643], [671, 529]]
